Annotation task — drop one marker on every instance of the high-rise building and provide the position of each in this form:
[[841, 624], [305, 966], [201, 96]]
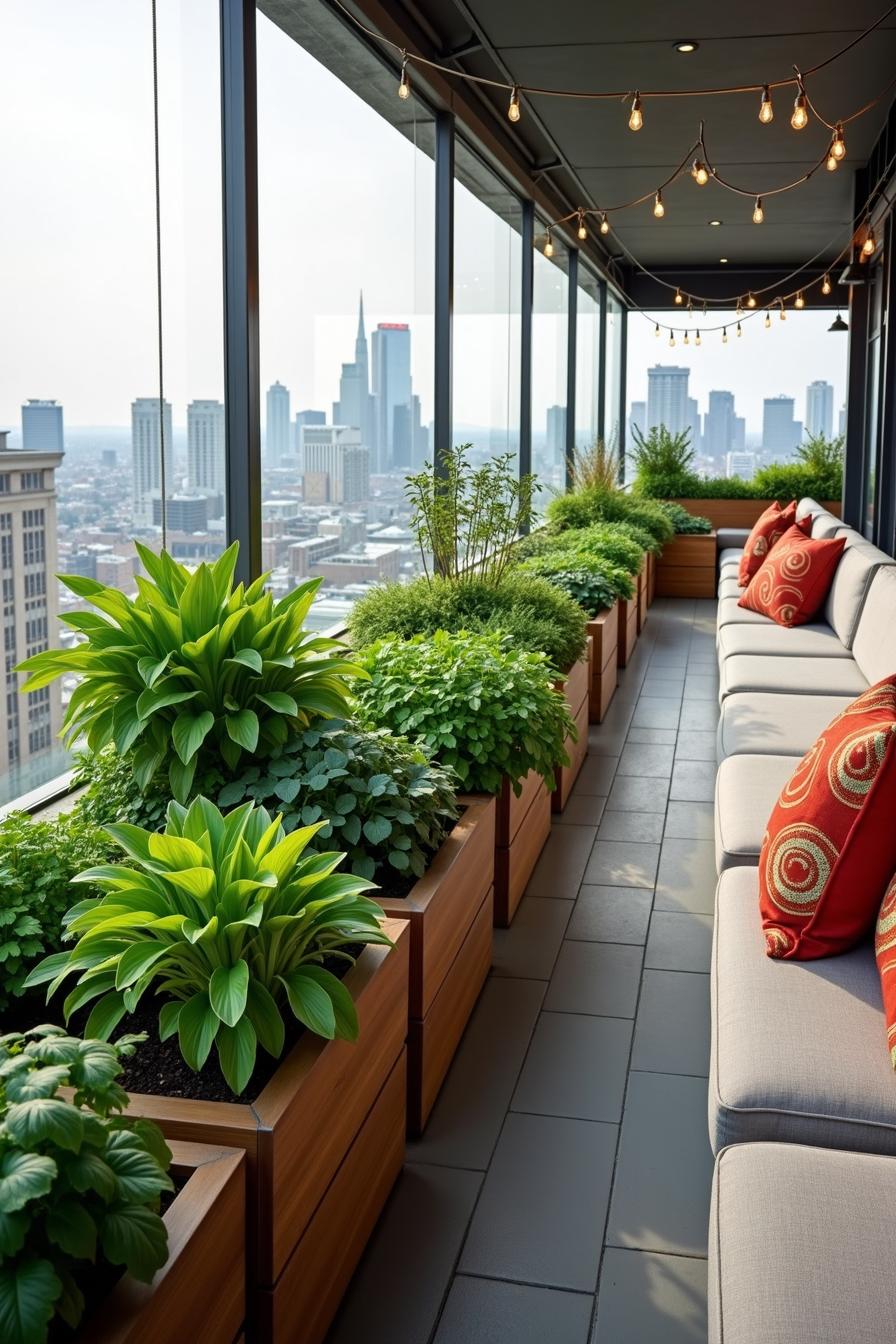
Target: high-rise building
[[42, 429], [637, 417], [304, 418], [146, 449], [205, 447], [780, 432], [355, 405], [667, 397], [739, 442], [742, 465], [841, 421], [693, 425], [718, 426], [556, 434], [28, 562], [392, 393], [820, 408], [337, 465], [276, 433]]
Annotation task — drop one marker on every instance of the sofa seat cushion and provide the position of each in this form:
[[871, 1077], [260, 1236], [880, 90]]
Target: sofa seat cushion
[[729, 587], [793, 583], [798, 1049], [732, 539], [790, 676], [769, 640], [747, 788], [797, 1243], [730, 612], [761, 723], [729, 555]]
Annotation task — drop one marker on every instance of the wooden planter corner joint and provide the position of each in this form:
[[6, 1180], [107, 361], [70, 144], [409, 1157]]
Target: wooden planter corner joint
[[603, 631], [687, 567], [641, 592], [651, 577], [628, 629], [576, 687], [523, 825]]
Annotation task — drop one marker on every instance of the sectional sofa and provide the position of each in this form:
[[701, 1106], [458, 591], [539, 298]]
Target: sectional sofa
[[802, 1095]]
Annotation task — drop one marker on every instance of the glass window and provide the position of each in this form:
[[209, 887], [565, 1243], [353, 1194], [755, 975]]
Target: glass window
[[487, 279], [587, 359], [80, 461], [550, 342], [613, 370], [346, 255]]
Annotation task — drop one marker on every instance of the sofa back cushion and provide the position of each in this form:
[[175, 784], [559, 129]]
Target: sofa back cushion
[[825, 525], [808, 505], [874, 645], [793, 583], [850, 586]]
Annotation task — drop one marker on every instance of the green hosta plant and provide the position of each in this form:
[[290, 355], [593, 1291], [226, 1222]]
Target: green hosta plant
[[230, 921], [484, 708], [79, 1183], [686, 524], [193, 670], [612, 542], [591, 581]]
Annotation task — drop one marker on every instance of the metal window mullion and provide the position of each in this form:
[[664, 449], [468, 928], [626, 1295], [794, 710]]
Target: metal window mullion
[[886, 484], [571, 333], [444, 290], [623, 388], [527, 292], [602, 362]]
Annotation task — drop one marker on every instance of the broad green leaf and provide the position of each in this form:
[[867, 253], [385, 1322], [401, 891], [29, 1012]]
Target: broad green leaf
[[71, 1228], [135, 1237], [46, 1118], [343, 1003], [242, 728], [265, 1017], [180, 777], [310, 1002], [197, 1027], [189, 731], [227, 991], [88, 1171], [168, 1018], [236, 1053], [23, 1177], [13, 1227], [250, 658], [30, 1083], [28, 1290], [135, 961], [377, 829], [105, 1016], [196, 882], [278, 701], [140, 1179]]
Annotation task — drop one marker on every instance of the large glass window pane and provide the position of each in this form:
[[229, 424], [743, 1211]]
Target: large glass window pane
[[487, 278], [81, 462], [550, 342], [587, 360], [346, 228], [613, 370]]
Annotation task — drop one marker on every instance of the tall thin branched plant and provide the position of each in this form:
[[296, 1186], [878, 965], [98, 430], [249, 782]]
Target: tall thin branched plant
[[597, 465]]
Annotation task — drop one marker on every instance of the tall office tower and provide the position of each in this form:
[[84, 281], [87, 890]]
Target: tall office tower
[[302, 419], [667, 397], [556, 434], [42, 430], [841, 422], [355, 405], [780, 432], [337, 465], [718, 427], [392, 392], [276, 432], [694, 424], [420, 434], [637, 417], [739, 441], [205, 448], [28, 562], [820, 408], [146, 449]]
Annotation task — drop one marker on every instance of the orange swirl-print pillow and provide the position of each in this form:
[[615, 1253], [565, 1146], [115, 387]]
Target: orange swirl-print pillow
[[830, 844], [794, 580], [768, 529], [885, 949]]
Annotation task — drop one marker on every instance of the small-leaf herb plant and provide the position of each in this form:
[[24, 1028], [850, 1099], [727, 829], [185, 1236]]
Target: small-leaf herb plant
[[230, 922], [485, 709], [80, 1183], [593, 583]]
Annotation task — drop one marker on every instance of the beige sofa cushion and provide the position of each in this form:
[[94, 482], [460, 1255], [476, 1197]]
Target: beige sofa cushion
[[760, 723], [747, 788], [790, 675], [729, 613], [874, 646], [815, 640], [852, 579]]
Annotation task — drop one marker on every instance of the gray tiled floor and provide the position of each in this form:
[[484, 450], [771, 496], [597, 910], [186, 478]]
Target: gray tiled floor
[[561, 1191]]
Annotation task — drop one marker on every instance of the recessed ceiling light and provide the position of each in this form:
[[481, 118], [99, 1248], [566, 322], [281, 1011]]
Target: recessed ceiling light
[[715, 223], [723, 260], [686, 46]]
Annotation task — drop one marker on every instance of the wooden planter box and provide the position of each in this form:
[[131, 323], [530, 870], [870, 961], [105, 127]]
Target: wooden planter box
[[687, 567], [576, 687], [651, 577], [642, 594], [449, 913], [603, 631], [628, 629], [200, 1291], [324, 1143], [523, 826], [740, 512]]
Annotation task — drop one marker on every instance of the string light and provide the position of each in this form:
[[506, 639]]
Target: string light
[[739, 330], [513, 110], [549, 245], [751, 300], [581, 231], [657, 331], [679, 297], [672, 338], [766, 111], [690, 308], [636, 116], [826, 285], [700, 173], [782, 313], [604, 223], [768, 319], [758, 212], [739, 309], [869, 244], [697, 340], [838, 144], [658, 208], [831, 164], [799, 118], [686, 340], [724, 335], [404, 88], [799, 301]]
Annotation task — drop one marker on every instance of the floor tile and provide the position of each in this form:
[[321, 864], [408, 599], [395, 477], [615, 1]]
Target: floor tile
[[487, 1311], [633, 793], [562, 863], [664, 1168], [398, 1289], [466, 1121], [596, 775], [695, 745], [582, 809], [672, 1026], [576, 1067], [540, 1214], [703, 686], [670, 660], [618, 863], [599, 978], [666, 688], [528, 949], [645, 758], [679, 942], [689, 821], [656, 712], [610, 915], [686, 878], [646, 826], [604, 740], [662, 736], [702, 715], [647, 1298], [693, 781]]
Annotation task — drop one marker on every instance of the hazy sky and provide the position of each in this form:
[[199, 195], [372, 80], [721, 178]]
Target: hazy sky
[[345, 202]]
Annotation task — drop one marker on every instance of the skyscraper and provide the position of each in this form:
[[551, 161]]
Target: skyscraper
[[337, 465], [780, 432], [718, 428], [556, 434], [820, 408], [392, 392], [637, 417], [205, 447], [354, 406], [42, 430], [146, 449], [276, 435], [667, 397], [694, 424], [304, 418]]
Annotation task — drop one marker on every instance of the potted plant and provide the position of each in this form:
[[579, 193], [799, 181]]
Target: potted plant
[[240, 932], [687, 565]]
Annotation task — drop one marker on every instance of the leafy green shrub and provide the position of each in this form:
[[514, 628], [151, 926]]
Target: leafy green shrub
[[109, 794], [194, 664], [480, 706], [38, 860], [662, 457], [590, 580], [231, 920], [791, 480], [685, 524], [586, 507], [79, 1184], [597, 465], [538, 616]]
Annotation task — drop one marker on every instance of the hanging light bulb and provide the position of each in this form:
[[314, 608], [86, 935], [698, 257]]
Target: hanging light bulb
[[766, 111], [690, 309], [799, 117], [869, 244], [739, 330], [636, 116], [697, 340], [782, 314], [404, 88], [724, 335], [758, 212], [581, 231], [826, 285], [838, 144], [513, 107], [799, 301], [657, 331], [549, 245], [739, 309], [658, 208], [751, 300], [768, 318], [700, 172], [686, 341], [831, 163], [679, 297], [604, 223], [672, 338]]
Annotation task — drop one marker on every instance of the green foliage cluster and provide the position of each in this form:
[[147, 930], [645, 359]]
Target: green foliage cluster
[[660, 457], [597, 465], [537, 616], [79, 1183], [229, 921], [192, 664], [591, 581], [38, 860], [686, 524], [593, 505], [480, 706]]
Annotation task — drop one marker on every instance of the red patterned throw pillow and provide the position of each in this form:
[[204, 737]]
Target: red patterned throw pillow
[[768, 529], [885, 949], [830, 845], [794, 580]]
